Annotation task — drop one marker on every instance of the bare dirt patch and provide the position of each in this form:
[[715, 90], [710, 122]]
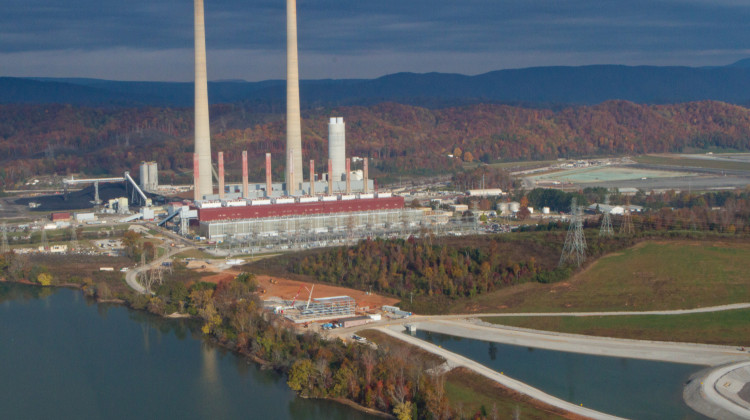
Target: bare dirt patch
[[287, 289]]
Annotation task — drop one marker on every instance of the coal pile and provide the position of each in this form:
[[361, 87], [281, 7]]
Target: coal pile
[[77, 200]]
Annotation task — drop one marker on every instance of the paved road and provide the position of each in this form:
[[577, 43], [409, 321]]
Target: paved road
[[688, 353], [131, 278], [455, 360]]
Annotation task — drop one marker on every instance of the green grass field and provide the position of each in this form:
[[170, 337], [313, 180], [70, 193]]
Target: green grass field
[[727, 327], [648, 276], [677, 160]]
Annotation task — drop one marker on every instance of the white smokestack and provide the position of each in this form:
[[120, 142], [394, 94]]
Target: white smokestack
[[293, 124], [337, 146], [202, 128]]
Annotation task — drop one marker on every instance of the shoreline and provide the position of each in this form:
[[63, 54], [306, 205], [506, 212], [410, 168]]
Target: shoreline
[[264, 364]]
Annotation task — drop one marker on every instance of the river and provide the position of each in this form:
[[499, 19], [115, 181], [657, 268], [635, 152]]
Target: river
[[631, 388], [63, 356]]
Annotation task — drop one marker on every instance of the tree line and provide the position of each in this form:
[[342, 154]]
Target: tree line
[[63, 139]]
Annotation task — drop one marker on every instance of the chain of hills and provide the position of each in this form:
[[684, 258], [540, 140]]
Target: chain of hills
[[537, 87], [400, 135]]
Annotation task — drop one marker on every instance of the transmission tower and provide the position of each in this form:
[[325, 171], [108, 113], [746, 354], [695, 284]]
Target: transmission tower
[[626, 228], [606, 228], [5, 248], [45, 244], [574, 250], [73, 239]]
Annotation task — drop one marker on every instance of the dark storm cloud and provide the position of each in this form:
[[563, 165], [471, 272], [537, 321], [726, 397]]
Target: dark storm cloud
[[467, 36]]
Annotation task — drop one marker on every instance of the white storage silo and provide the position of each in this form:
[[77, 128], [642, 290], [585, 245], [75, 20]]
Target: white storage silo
[[153, 176], [144, 175], [337, 147]]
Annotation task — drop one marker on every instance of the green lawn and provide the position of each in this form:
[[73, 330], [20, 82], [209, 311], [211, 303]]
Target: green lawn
[[726, 327], [677, 160], [474, 394]]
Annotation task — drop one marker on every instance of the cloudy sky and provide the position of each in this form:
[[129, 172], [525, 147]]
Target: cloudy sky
[[152, 39]]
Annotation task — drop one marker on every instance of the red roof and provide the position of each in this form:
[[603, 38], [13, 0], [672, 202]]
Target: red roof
[[300, 209]]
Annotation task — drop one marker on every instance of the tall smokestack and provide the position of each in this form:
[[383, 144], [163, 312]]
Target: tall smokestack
[[197, 187], [330, 177], [221, 175], [293, 124], [202, 127], [269, 186], [312, 177], [245, 190], [290, 187], [365, 188], [348, 176]]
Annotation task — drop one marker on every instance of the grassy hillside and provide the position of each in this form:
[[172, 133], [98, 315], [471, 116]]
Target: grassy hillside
[[652, 275], [726, 327]]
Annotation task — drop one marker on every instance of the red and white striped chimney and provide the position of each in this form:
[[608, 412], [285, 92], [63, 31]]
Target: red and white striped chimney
[[245, 191]]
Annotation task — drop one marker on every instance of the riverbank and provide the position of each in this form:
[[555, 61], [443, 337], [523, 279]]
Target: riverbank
[[228, 345]]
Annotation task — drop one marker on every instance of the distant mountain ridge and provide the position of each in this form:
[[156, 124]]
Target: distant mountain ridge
[[535, 86]]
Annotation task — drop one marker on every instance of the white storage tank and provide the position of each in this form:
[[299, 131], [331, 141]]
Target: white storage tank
[[144, 176], [514, 206], [153, 176]]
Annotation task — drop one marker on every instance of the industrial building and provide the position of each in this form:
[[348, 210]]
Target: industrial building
[[324, 308]]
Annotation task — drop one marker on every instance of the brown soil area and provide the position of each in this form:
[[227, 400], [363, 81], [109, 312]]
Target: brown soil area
[[223, 276], [287, 289]]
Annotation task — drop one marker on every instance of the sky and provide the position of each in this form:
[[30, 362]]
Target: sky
[[153, 39]]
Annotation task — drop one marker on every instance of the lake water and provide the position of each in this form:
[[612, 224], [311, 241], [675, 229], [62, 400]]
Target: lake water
[[631, 388], [65, 357]]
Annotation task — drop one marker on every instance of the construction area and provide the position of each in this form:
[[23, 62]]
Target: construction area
[[302, 302]]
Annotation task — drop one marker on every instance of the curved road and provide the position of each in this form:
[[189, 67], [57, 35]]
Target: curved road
[[455, 360], [131, 278], [459, 325]]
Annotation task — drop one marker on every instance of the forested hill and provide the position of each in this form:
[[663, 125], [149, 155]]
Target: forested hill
[[39, 139], [539, 87]]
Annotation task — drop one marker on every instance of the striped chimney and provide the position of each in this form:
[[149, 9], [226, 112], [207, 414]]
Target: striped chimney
[[221, 175], [330, 176], [197, 188], [312, 177], [269, 186], [245, 188]]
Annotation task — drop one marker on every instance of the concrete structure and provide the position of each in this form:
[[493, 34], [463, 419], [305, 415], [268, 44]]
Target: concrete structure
[[153, 176], [337, 147], [355, 321], [293, 119], [85, 217], [202, 127], [143, 173], [487, 192]]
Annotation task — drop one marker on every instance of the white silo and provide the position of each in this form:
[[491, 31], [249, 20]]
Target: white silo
[[337, 147], [153, 176], [144, 175]]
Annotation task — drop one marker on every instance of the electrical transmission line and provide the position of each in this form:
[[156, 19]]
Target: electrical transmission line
[[574, 250]]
